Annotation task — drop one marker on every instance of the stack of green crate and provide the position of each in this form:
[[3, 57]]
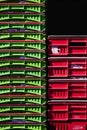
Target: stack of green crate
[[22, 65]]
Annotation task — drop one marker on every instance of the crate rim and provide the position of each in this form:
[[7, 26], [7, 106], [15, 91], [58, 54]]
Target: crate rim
[[53, 37]]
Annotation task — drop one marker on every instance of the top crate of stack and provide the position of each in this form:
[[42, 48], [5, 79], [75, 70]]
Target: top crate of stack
[[67, 46]]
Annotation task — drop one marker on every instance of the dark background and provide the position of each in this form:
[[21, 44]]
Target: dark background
[[66, 17]]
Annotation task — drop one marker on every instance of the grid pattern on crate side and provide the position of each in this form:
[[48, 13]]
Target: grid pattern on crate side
[[22, 65], [67, 73]]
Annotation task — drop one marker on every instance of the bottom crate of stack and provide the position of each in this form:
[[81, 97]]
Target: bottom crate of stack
[[64, 115], [81, 125], [30, 126]]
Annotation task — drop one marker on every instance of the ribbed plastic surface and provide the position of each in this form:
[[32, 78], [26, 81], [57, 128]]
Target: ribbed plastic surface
[[67, 73], [22, 65]]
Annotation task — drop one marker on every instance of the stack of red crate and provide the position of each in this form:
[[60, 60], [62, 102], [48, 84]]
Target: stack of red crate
[[67, 91]]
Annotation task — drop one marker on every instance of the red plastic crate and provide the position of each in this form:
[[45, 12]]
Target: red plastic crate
[[81, 125], [67, 90], [67, 67], [67, 111], [58, 72], [59, 47]]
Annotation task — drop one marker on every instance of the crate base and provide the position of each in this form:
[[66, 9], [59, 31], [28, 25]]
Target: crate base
[[68, 125]]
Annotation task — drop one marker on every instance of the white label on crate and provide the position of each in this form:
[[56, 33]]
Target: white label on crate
[[55, 50], [78, 127]]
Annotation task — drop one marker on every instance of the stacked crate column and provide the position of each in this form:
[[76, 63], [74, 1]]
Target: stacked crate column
[[67, 77], [22, 65]]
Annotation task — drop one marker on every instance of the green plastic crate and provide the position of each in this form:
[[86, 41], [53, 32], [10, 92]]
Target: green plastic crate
[[23, 17], [22, 126], [34, 82], [34, 100], [38, 73], [37, 55], [30, 118], [27, 64], [25, 45], [37, 1], [26, 27], [36, 109], [38, 91], [21, 8], [32, 36]]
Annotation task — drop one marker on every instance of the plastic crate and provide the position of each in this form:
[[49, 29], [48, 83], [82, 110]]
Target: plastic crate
[[23, 17], [30, 100], [23, 126], [35, 109], [19, 8], [81, 125], [64, 72], [37, 73], [61, 47], [37, 55], [58, 47], [21, 27], [24, 45], [27, 118], [34, 82], [27, 64], [67, 111], [29, 36], [36, 91], [67, 90], [67, 67]]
